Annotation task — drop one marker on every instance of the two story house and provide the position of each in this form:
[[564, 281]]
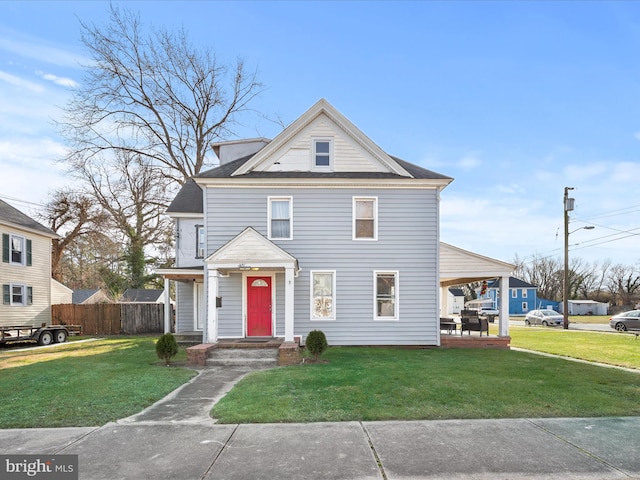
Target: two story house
[[25, 270], [318, 228]]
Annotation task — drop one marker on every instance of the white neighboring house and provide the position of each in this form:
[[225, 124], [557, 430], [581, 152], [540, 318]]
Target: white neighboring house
[[586, 307], [60, 294], [456, 300], [25, 270]]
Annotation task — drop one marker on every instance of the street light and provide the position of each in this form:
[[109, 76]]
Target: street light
[[568, 206]]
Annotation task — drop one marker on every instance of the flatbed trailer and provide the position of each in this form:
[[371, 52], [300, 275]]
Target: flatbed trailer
[[43, 335]]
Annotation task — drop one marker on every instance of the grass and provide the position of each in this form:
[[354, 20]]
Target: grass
[[83, 383], [400, 384], [613, 348]]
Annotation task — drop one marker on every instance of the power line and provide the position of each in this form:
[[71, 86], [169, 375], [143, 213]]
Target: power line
[[13, 199]]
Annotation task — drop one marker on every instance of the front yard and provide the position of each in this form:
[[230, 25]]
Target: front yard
[[83, 383], [92, 383]]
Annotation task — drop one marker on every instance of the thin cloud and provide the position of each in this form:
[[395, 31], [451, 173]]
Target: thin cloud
[[38, 49], [20, 82], [469, 162], [62, 81]]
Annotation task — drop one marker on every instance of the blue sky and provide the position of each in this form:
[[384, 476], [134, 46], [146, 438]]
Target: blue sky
[[514, 100]]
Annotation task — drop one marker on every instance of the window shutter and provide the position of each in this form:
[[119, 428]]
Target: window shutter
[[5, 248], [29, 295], [6, 294], [28, 253]]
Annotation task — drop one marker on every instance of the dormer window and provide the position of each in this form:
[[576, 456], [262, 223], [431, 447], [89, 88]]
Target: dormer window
[[322, 153]]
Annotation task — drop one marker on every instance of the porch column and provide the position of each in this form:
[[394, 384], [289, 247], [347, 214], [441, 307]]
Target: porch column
[[211, 324], [167, 306], [444, 301], [288, 304], [504, 307]]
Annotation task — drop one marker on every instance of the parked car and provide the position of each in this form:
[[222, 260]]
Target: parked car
[[626, 321], [546, 318]]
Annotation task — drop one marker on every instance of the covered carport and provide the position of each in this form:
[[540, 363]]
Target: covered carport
[[459, 267]]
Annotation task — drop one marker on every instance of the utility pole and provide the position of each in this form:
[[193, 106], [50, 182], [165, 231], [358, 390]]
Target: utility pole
[[568, 206]]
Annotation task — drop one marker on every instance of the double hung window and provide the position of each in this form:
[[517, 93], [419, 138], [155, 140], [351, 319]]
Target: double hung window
[[17, 294], [200, 241], [323, 287], [386, 295], [365, 213], [16, 249], [280, 216]]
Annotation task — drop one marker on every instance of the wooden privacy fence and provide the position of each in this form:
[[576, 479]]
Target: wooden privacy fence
[[111, 318]]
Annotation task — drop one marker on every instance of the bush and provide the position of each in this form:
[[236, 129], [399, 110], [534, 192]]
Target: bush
[[316, 343], [166, 347]]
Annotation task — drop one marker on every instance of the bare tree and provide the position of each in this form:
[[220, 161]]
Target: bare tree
[[155, 97], [133, 193], [543, 272], [624, 283], [70, 214]]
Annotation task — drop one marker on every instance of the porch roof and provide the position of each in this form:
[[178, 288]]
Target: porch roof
[[458, 266], [250, 250]]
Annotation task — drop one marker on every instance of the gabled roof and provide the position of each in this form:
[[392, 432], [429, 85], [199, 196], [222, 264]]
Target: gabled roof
[[456, 292], [188, 199], [12, 216], [141, 295], [513, 283], [81, 296], [250, 250], [386, 166]]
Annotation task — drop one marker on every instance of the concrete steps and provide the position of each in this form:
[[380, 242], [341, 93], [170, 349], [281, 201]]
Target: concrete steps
[[256, 357]]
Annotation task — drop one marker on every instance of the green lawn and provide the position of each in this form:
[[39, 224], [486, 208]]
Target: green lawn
[[400, 384], [622, 349], [83, 383]]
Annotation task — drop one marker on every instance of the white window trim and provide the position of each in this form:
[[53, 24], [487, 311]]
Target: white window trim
[[280, 198], [200, 251], [321, 168], [524, 293], [375, 219], [333, 296], [525, 306], [25, 301], [396, 303], [514, 293], [24, 250]]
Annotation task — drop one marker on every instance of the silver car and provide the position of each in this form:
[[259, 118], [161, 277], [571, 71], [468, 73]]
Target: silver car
[[626, 321], [543, 317]]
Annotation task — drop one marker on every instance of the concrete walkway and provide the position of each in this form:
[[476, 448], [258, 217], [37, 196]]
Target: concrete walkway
[[176, 439]]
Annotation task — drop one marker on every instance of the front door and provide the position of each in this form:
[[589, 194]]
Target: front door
[[259, 307]]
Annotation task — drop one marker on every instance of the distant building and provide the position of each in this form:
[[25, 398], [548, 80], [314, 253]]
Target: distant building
[[91, 295]]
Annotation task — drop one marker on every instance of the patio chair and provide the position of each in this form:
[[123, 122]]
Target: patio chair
[[471, 322]]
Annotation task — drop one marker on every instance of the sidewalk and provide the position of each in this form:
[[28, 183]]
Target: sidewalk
[[175, 439]]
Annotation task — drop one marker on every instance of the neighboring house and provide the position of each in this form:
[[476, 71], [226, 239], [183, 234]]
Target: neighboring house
[[25, 271], [92, 295], [60, 294], [456, 300], [317, 229], [586, 307], [523, 296], [141, 295]]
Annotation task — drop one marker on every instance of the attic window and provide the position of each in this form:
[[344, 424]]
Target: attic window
[[322, 153]]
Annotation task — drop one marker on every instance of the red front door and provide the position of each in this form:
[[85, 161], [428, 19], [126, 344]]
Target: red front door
[[259, 307]]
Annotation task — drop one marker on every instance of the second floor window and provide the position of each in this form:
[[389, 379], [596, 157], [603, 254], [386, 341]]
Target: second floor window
[[280, 213], [200, 241], [365, 212], [16, 249]]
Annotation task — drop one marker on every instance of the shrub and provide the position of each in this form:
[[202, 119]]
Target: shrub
[[166, 347], [316, 343]]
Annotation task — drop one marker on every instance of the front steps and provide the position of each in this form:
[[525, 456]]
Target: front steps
[[255, 357]]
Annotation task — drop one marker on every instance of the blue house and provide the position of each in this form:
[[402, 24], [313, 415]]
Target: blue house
[[523, 296]]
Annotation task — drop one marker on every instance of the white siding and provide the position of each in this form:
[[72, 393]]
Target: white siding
[[186, 242], [37, 276]]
